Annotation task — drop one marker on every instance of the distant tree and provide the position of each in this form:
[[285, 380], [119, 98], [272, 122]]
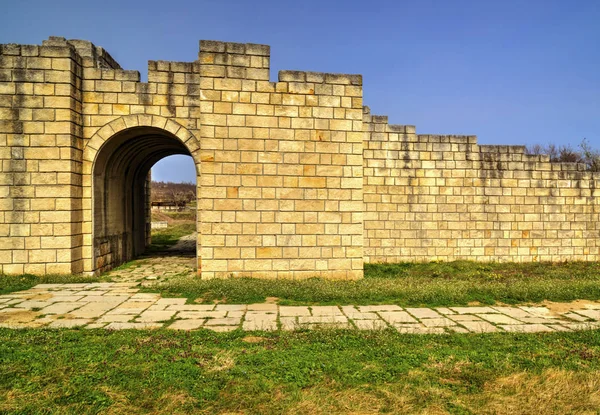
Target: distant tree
[[591, 157], [585, 155], [179, 193]]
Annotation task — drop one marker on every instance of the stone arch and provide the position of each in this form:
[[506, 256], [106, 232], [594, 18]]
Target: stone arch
[[126, 122], [116, 163]]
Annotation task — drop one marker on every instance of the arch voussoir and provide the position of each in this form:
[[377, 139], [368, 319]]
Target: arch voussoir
[[125, 122]]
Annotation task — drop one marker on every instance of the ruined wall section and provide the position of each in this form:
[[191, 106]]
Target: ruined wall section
[[40, 156], [431, 197], [281, 185]]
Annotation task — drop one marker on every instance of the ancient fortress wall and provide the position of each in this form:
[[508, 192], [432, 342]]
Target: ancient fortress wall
[[295, 178], [444, 197], [279, 163]]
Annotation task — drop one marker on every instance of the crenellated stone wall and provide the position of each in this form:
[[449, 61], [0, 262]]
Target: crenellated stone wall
[[295, 177], [444, 197]]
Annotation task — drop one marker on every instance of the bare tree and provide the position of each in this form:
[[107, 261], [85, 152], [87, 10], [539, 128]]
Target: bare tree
[[585, 155]]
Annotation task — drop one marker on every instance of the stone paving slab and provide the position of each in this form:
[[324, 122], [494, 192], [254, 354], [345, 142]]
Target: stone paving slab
[[186, 324], [120, 306], [289, 311], [423, 312], [592, 314], [498, 319], [438, 322], [397, 317]]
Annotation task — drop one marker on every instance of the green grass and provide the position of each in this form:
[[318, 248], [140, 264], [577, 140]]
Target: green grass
[[317, 372], [164, 238], [11, 283], [409, 284], [187, 215]]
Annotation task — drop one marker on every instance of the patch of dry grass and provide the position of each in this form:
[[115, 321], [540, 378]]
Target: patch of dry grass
[[316, 372], [554, 391]]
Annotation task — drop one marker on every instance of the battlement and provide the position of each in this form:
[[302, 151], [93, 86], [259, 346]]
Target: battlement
[[234, 60]]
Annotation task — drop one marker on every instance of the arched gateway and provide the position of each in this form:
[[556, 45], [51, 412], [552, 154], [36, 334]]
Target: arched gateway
[[296, 178], [119, 187]]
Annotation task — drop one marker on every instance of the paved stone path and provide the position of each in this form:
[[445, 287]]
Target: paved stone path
[[148, 271], [120, 305]]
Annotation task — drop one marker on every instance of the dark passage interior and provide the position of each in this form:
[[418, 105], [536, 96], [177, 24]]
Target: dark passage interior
[[121, 196]]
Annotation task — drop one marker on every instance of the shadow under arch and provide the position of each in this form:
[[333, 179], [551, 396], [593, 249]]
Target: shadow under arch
[[120, 186]]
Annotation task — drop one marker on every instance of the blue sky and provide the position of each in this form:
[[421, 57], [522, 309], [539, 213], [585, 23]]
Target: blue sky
[[510, 72]]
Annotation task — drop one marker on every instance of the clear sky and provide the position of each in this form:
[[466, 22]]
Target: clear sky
[[508, 71]]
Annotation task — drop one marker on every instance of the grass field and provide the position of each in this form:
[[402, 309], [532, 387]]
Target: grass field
[[409, 284], [426, 284], [317, 372], [164, 238], [84, 371]]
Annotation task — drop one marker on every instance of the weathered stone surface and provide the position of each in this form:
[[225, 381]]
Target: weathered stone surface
[[187, 324], [115, 318], [60, 308], [592, 314], [289, 311], [370, 324], [155, 316], [323, 319], [397, 317], [326, 311], [201, 314], [463, 317], [437, 322], [499, 319], [421, 313], [228, 321]]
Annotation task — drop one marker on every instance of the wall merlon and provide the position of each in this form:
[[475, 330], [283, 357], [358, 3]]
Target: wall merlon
[[10, 49], [212, 46], [258, 50], [235, 48], [379, 119], [170, 66], [292, 76]]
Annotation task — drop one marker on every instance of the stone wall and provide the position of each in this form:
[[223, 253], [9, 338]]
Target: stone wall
[[294, 180], [281, 183], [279, 163], [40, 151], [432, 197]]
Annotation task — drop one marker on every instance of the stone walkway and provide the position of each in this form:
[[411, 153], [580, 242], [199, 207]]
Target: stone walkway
[[119, 305], [148, 271]]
